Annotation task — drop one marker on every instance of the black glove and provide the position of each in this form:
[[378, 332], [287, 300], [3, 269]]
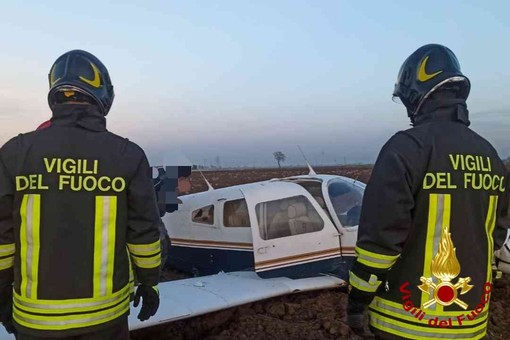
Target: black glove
[[6, 309], [357, 319], [150, 301]]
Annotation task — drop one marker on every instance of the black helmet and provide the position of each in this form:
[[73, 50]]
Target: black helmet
[[82, 73], [427, 69]]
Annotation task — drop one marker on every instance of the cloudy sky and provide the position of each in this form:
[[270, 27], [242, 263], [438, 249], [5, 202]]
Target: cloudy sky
[[240, 79]]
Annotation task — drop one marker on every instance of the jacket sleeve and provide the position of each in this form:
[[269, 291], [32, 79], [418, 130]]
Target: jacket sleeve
[[386, 217], [502, 221], [7, 247], [143, 239]]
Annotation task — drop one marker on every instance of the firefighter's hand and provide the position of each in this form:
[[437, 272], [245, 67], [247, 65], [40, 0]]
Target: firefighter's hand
[[150, 301], [357, 319], [502, 258]]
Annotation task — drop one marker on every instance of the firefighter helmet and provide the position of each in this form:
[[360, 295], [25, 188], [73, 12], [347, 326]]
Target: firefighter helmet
[[79, 75], [429, 68]]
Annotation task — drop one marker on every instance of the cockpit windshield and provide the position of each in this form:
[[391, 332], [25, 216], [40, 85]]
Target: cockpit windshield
[[346, 198]]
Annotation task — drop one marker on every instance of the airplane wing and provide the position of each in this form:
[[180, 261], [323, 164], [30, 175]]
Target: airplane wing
[[186, 298], [181, 299]]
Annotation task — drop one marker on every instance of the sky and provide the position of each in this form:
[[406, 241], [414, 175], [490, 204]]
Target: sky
[[238, 80]]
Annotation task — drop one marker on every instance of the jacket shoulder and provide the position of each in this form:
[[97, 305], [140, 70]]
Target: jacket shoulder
[[127, 146], [12, 147], [405, 142], [484, 141]]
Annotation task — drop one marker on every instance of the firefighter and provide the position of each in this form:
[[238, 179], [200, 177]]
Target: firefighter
[[432, 214], [77, 206], [167, 188]]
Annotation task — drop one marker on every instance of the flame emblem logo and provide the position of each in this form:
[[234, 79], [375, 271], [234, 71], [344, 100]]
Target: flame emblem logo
[[445, 267]]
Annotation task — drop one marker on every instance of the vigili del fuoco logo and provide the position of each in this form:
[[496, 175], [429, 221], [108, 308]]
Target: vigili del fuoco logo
[[445, 267]]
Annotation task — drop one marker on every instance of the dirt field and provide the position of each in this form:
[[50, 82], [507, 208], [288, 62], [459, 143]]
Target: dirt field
[[314, 315]]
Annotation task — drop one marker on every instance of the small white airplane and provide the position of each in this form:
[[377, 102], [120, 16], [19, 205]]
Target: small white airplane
[[259, 240], [256, 241], [295, 227]]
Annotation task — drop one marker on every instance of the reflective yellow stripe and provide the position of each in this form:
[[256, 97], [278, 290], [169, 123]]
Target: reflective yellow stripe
[[144, 249], [6, 263], [36, 244], [363, 285], [439, 216], [408, 330], [447, 206], [98, 245], [30, 212], [147, 262], [397, 310], [23, 245], [131, 274], [70, 305], [63, 322], [375, 260], [490, 223], [111, 244], [7, 249], [104, 244]]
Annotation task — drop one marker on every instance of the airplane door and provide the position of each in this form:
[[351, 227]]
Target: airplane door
[[292, 235]]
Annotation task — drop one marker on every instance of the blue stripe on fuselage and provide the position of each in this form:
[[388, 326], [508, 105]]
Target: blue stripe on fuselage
[[209, 261]]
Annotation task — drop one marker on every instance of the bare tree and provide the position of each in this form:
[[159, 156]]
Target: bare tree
[[280, 157]]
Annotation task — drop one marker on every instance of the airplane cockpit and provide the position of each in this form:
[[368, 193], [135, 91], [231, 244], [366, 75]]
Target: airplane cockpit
[[346, 199], [345, 196]]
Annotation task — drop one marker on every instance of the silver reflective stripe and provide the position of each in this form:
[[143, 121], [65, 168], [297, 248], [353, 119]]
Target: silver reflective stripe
[[391, 326], [61, 305], [361, 284], [149, 262], [131, 274], [72, 321], [105, 222], [381, 305], [375, 260], [387, 263], [436, 211], [7, 262], [7, 249], [30, 245], [104, 244], [490, 223], [437, 239], [144, 249]]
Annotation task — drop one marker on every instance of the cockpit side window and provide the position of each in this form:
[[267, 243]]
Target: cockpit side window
[[315, 189], [235, 214], [346, 199], [287, 217], [204, 215]]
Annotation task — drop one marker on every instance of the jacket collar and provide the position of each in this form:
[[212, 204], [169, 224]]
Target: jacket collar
[[451, 109], [78, 115]]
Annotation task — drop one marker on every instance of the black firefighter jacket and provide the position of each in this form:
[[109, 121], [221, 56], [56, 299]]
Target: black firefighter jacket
[[76, 207], [433, 214]]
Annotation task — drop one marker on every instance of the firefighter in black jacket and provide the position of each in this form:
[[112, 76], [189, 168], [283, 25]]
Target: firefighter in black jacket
[[77, 206], [432, 214]]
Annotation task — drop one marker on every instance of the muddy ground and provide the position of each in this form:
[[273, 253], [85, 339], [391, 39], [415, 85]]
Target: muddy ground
[[312, 315]]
